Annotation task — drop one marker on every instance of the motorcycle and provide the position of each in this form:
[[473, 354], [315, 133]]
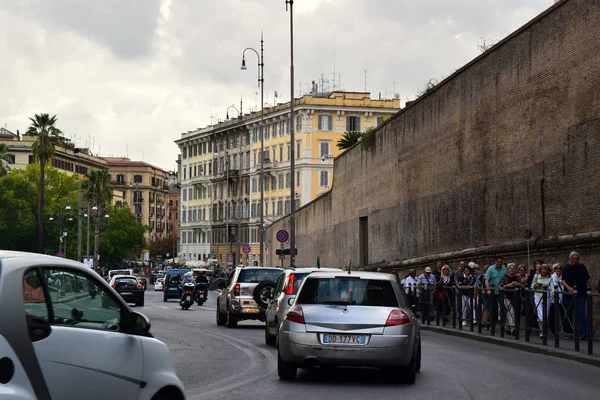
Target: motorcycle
[[92, 291], [201, 293], [187, 293]]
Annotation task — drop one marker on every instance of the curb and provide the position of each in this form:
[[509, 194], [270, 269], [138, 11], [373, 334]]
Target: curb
[[530, 348]]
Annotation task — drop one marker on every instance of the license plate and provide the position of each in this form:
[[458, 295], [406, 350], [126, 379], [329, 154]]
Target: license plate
[[355, 340], [188, 298], [126, 293], [173, 288], [250, 310]]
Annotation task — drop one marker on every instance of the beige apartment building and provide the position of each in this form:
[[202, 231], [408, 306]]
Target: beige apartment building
[[145, 191], [76, 161]]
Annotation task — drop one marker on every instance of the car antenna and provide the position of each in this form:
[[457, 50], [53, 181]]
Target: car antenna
[[349, 264]]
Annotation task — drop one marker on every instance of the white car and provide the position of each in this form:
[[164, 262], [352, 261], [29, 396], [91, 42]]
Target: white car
[[58, 342], [158, 285]]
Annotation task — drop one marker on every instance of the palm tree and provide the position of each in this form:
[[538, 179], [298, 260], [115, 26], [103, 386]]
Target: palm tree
[[98, 190], [5, 158], [348, 140], [42, 126]]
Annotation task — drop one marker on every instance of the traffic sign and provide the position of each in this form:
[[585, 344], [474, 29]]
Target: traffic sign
[[61, 254], [246, 249], [284, 252], [282, 236], [229, 258]]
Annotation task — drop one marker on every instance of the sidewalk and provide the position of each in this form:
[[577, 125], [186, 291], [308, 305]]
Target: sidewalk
[[535, 345]]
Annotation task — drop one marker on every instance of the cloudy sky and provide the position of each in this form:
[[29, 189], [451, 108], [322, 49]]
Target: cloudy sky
[[128, 76]]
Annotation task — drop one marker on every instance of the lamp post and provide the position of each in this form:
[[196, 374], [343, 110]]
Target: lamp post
[[61, 221], [79, 201], [261, 84], [97, 209], [292, 140]]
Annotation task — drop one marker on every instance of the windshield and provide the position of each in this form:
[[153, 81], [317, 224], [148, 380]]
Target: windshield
[[174, 278], [348, 291], [258, 275], [126, 281], [298, 279]]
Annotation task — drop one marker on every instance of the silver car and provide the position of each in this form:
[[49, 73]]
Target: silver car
[[245, 295], [286, 288], [350, 319]]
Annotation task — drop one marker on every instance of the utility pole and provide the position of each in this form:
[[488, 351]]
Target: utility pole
[[227, 209], [79, 216], [292, 142]]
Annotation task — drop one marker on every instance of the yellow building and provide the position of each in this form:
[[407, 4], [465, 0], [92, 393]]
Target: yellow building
[[145, 191], [234, 180], [77, 161]]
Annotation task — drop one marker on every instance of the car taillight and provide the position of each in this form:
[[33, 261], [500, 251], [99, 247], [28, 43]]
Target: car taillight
[[113, 286], [139, 285], [295, 315], [236, 289], [397, 317], [290, 286]]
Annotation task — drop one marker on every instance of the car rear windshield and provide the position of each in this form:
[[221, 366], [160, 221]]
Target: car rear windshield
[[258, 275], [174, 278], [348, 291], [126, 281]]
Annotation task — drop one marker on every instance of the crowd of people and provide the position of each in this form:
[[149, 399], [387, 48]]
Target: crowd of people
[[502, 291]]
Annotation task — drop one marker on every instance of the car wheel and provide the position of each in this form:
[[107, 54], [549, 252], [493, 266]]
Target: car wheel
[[408, 374], [165, 299], [262, 293], [231, 320], [140, 303], [221, 319], [286, 371], [269, 339]]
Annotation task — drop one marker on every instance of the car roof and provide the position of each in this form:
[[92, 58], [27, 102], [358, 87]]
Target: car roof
[[25, 260], [311, 270], [361, 274]]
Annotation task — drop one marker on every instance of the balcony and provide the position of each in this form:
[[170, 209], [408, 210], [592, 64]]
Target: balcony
[[231, 174]]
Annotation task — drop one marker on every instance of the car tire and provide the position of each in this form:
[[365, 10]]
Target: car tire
[[408, 374], [260, 293], [286, 371], [140, 303], [221, 319], [165, 299], [269, 339], [231, 320]]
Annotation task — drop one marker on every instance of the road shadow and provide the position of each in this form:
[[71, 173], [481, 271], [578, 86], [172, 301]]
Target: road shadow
[[346, 376]]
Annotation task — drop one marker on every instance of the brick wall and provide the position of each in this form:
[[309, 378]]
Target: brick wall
[[508, 143]]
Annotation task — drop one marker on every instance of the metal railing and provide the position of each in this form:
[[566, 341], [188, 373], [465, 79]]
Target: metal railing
[[519, 312]]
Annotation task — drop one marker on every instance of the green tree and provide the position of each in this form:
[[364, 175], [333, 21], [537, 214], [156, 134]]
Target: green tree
[[42, 126], [5, 159], [349, 139], [162, 246], [20, 208], [121, 236]]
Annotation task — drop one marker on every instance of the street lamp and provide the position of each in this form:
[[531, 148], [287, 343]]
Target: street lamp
[[292, 140], [261, 84], [62, 219], [97, 209]]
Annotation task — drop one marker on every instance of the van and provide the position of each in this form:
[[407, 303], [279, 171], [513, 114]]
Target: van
[[173, 279]]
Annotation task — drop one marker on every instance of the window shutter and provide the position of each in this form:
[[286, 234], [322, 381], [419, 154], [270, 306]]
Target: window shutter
[[330, 122], [348, 123], [320, 123]]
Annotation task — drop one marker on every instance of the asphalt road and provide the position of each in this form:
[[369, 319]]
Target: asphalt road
[[235, 363]]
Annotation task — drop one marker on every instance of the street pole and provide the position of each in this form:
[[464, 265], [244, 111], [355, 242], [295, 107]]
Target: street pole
[[87, 244], [261, 229], [261, 84], [79, 222], [227, 210], [292, 142]]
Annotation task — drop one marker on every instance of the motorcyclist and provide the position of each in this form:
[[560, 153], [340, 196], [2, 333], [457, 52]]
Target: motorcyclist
[[188, 277], [201, 280]]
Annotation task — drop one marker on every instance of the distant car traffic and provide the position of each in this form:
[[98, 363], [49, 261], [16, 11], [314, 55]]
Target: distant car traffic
[[350, 319], [286, 288], [130, 289], [57, 342], [246, 295], [158, 285]]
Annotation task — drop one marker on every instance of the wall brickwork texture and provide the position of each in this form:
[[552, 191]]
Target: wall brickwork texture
[[508, 143]]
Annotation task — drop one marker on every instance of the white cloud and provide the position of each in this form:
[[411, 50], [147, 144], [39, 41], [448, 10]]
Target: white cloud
[[132, 75]]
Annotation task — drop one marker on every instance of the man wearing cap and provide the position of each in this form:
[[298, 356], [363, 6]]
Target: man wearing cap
[[426, 284], [411, 286]]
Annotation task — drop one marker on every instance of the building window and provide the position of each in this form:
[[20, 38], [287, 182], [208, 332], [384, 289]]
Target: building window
[[281, 182], [324, 149], [11, 158], [287, 126], [137, 179], [298, 179], [298, 123], [279, 207], [287, 206], [324, 179], [185, 152], [353, 124], [183, 237], [31, 159], [288, 152], [280, 152], [287, 180], [274, 154], [325, 122], [281, 128], [274, 129], [298, 147]]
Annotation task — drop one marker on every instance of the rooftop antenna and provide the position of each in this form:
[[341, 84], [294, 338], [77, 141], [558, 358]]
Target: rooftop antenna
[[349, 264], [241, 108]]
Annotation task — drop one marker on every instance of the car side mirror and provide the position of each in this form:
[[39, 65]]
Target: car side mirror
[[291, 300], [140, 323]]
